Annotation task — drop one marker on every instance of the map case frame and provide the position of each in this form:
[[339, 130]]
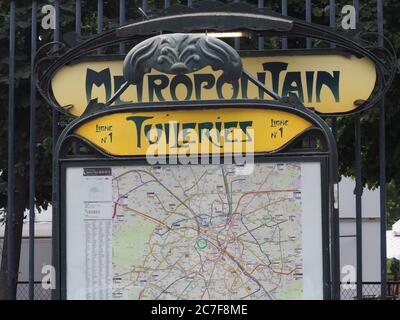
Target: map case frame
[[259, 158]]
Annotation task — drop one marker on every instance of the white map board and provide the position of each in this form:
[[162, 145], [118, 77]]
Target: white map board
[[194, 232]]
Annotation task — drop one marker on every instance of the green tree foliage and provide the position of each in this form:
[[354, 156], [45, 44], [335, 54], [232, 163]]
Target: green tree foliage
[[21, 139], [22, 87]]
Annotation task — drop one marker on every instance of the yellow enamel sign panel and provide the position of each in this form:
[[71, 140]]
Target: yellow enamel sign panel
[[211, 131], [329, 83]]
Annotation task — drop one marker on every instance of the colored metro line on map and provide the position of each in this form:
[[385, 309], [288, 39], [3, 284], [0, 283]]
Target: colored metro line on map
[[204, 232]]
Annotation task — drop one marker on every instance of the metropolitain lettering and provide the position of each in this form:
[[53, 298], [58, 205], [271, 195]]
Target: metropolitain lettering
[[307, 85]]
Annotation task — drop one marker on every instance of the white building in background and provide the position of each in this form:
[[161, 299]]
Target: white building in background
[[370, 230], [43, 249], [393, 241]]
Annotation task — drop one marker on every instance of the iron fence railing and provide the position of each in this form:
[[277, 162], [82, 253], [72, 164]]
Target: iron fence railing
[[370, 291], [39, 293], [308, 4]]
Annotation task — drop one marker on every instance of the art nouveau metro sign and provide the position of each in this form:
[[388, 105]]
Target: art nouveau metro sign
[[330, 81], [244, 203], [128, 228], [337, 81]]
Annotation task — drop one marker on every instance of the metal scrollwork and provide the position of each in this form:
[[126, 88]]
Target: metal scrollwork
[[180, 54]]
